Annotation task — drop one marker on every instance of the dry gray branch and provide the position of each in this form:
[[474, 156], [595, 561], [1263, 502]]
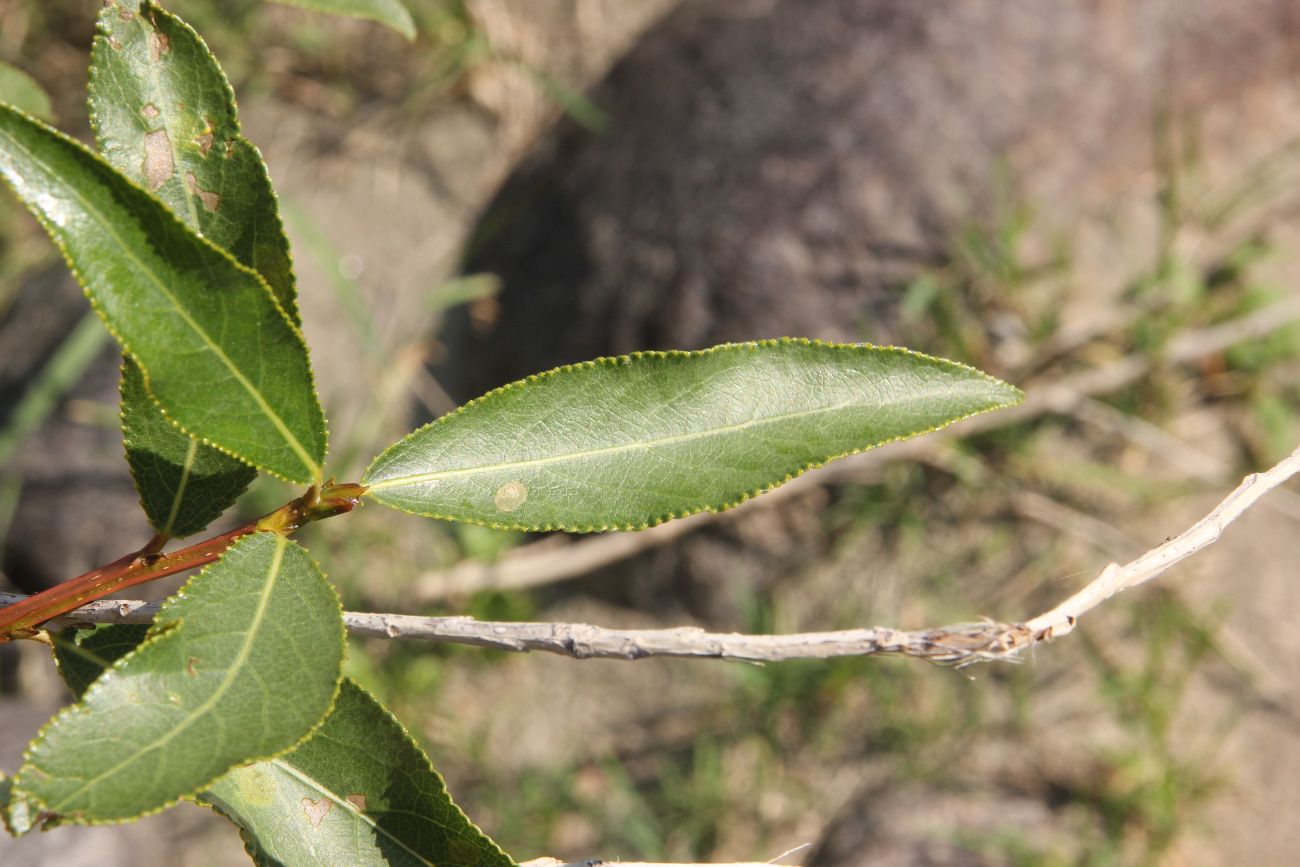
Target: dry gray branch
[[958, 644]]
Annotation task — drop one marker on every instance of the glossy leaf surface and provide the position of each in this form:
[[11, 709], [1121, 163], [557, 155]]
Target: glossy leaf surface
[[218, 352], [239, 666], [358, 792], [634, 441], [391, 13], [164, 116]]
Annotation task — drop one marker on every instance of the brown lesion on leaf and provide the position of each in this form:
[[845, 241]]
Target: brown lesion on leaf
[[511, 496], [159, 44], [191, 666], [150, 111], [204, 139], [316, 810], [124, 13], [158, 165], [210, 200], [358, 800], [112, 41]]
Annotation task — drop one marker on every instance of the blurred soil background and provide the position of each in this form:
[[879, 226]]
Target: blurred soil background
[[1092, 196]]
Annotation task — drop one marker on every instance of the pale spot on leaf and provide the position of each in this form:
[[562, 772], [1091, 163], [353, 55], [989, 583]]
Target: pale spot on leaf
[[210, 200], [124, 13], [150, 111], [158, 164], [358, 801], [511, 496], [316, 810]]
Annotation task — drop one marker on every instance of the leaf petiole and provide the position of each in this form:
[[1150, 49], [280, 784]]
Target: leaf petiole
[[22, 619]]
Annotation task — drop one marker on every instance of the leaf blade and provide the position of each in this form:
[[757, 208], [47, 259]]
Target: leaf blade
[[21, 91], [152, 78], [390, 13], [212, 668], [183, 484], [359, 792], [243, 382], [633, 441]]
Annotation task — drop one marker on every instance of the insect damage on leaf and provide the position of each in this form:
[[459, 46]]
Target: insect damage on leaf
[[158, 164]]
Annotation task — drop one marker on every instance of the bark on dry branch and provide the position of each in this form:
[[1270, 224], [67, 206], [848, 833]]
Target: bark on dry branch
[[958, 644]]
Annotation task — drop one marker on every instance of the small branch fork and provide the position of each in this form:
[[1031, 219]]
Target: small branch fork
[[959, 644]]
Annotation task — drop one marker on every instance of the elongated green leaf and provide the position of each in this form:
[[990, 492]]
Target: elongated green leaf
[[239, 666], [183, 484], [358, 792], [164, 116], [634, 441], [387, 12], [217, 350], [19, 90]]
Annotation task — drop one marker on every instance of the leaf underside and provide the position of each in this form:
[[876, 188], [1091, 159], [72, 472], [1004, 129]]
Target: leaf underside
[[218, 352], [629, 442], [160, 106], [358, 792], [391, 13], [239, 666]]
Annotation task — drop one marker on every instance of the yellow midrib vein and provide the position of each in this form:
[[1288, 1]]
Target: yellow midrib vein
[[181, 485], [231, 673], [309, 463]]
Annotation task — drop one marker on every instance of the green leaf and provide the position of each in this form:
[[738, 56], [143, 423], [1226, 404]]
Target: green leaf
[[21, 91], [239, 666], [85, 654], [183, 484], [629, 442], [164, 116], [358, 792], [218, 352], [387, 12]]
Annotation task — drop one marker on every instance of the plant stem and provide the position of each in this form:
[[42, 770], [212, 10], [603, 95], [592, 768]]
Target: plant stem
[[147, 564]]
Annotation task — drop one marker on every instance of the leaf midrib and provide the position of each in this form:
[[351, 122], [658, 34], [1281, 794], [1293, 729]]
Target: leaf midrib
[[236, 666], [674, 439], [181, 485], [309, 463]]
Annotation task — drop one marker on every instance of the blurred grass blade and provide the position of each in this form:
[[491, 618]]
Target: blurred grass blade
[[245, 381], [210, 688], [629, 442], [390, 13], [63, 370], [22, 92], [358, 792]]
